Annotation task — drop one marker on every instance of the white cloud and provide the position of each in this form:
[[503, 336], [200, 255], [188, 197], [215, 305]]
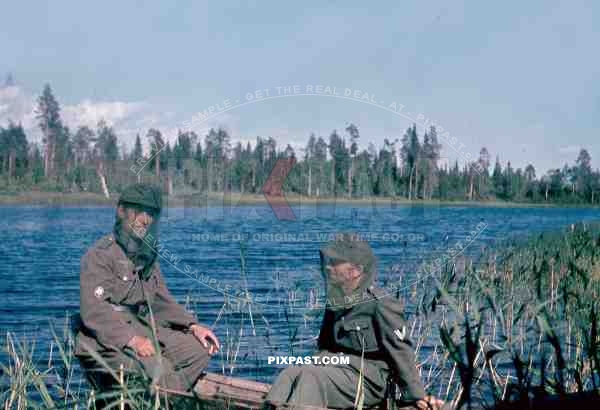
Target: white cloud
[[16, 106], [132, 118], [128, 118], [283, 136], [90, 113]]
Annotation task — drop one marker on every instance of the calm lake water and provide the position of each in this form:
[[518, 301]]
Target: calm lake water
[[40, 250]]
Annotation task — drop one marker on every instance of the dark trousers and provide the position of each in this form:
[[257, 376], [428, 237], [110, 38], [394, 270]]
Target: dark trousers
[[181, 362], [333, 386]]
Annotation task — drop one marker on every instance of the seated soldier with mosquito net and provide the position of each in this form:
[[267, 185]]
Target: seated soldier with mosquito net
[[361, 322], [128, 317]]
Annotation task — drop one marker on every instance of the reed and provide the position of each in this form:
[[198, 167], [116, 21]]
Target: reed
[[516, 322], [520, 322]]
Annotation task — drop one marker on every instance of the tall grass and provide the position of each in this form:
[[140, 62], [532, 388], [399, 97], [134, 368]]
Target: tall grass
[[516, 323], [519, 322]]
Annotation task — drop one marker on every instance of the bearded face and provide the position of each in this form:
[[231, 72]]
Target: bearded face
[[344, 275], [135, 221], [348, 267], [136, 231]]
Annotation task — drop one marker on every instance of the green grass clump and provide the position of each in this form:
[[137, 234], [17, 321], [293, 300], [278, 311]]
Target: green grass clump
[[519, 322]]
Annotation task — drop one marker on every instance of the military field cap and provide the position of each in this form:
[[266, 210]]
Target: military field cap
[[142, 196], [348, 247]]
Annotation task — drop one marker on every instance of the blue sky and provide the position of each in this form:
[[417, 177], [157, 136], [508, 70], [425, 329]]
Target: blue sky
[[520, 78]]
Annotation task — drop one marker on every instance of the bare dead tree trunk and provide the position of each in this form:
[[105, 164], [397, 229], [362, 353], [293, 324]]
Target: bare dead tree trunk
[[471, 186], [416, 177], [410, 181], [157, 165], [51, 153], [169, 186], [426, 182], [309, 179], [100, 173], [49, 159], [436, 183], [333, 175], [350, 171], [46, 160], [209, 175], [12, 163], [47, 151], [320, 179]]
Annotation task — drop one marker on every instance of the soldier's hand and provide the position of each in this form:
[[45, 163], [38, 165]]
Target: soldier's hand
[[430, 403], [206, 337], [142, 346]]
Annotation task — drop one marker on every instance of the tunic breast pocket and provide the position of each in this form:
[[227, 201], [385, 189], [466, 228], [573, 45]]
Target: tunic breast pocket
[[118, 293], [122, 287], [358, 333]]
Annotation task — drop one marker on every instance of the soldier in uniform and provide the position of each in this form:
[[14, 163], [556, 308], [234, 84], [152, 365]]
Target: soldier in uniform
[[128, 316], [363, 324]]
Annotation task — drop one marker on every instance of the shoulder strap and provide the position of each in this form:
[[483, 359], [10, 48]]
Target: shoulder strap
[[105, 242]]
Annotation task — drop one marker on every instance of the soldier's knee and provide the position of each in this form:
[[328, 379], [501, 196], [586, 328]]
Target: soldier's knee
[[201, 357], [155, 365], [283, 386], [293, 371], [195, 358], [287, 378], [309, 375], [162, 371]]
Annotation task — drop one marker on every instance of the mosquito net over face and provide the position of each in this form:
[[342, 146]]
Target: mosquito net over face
[[139, 241], [347, 247]]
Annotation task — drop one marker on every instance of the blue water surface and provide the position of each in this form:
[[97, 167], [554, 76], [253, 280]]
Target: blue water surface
[[40, 251]]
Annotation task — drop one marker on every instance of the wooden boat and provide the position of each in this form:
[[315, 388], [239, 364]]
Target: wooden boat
[[221, 392]]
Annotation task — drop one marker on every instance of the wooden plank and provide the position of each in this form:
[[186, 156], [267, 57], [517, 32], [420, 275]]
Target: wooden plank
[[231, 392], [221, 392]]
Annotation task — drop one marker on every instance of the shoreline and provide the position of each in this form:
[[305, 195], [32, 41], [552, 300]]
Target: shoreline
[[58, 199]]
